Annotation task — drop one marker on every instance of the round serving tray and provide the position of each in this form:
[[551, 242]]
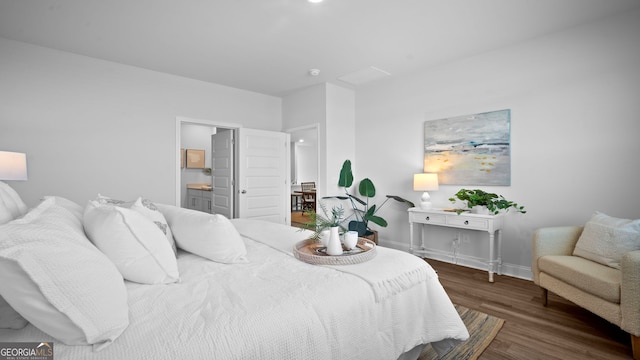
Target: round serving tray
[[313, 252]]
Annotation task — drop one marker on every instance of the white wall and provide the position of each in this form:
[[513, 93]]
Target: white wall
[[575, 121], [92, 126], [306, 159], [333, 109], [307, 107]]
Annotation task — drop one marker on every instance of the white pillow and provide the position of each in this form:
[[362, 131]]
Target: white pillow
[[151, 212], [73, 207], [606, 239], [211, 236], [134, 243], [58, 281], [11, 205], [146, 208]]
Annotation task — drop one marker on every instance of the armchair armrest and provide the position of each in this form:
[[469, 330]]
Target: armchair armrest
[[558, 240], [630, 292]]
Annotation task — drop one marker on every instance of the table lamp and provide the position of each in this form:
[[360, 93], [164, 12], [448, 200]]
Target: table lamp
[[13, 166], [425, 183]]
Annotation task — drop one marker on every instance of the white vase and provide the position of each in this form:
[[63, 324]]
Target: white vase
[[334, 247], [350, 239]]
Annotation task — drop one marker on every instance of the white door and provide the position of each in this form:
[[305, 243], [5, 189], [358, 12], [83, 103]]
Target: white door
[[263, 175], [222, 172]]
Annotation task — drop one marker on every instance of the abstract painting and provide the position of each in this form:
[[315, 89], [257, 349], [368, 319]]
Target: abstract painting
[[469, 150]]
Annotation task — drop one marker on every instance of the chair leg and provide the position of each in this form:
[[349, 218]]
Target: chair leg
[[545, 294], [635, 346]]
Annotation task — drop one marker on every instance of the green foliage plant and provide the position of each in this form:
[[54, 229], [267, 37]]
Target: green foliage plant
[[493, 202], [363, 211]]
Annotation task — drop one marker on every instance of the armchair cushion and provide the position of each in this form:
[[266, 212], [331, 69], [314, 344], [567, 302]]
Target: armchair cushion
[[597, 279], [606, 239]]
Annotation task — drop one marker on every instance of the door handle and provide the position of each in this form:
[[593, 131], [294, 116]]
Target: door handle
[[243, 192]]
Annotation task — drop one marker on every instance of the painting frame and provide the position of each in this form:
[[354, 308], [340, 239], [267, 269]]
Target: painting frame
[[470, 149], [195, 159]]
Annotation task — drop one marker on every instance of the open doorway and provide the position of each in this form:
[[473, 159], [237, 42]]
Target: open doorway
[[195, 187], [305, 168], [260, 183]]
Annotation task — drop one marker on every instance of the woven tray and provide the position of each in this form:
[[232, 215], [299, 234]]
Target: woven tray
[[313, 252]]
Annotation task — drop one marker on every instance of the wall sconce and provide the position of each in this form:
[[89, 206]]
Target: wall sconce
[[13, 166], [425, 183]]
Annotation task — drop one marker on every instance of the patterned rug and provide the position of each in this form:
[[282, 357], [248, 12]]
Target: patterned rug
[[482, 329]]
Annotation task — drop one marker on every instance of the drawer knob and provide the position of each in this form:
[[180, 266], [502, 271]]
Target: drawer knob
[[427, 218], [466, 222]]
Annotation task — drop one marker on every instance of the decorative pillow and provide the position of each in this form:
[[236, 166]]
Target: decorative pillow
[[211, 236], [11, 205], [58, 281], [137, 247], [9, 318], [151, 212], [146, 208], [606, 239]]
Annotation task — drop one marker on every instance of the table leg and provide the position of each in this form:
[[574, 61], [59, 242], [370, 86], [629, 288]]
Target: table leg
[[491, 256], [500, 252], [410, 237]]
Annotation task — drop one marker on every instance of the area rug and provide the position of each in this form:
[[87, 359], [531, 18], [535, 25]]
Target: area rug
[[482, 329]]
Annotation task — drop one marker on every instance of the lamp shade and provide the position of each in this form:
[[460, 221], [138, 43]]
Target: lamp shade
[[13, 166], [425, 182]]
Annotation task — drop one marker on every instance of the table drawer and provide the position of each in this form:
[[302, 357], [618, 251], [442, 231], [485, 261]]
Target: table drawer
[[464, 222], [428, 218]]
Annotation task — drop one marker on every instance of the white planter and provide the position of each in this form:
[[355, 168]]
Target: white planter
[[480, 209]]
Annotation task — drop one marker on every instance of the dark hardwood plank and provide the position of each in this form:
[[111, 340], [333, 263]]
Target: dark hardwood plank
[[561, 330]]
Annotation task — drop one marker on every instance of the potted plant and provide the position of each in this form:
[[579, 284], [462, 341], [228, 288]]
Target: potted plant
[[325, 221], [493, 202], [363, 211]]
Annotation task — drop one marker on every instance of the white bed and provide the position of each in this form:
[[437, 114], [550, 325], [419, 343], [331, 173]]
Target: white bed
[[274, 306]]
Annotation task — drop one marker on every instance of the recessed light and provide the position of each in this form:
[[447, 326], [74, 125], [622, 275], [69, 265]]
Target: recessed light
[[315, 1]]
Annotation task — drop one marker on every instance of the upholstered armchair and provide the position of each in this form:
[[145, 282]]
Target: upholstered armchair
[[609, 292]]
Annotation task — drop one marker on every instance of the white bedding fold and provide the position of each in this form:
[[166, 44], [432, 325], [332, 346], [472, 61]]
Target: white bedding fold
[[389, 273]]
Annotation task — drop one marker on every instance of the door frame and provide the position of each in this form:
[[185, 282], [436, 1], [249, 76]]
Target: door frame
[[186, 120]]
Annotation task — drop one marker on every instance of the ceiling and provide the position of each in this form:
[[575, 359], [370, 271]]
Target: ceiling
[[269, 46]]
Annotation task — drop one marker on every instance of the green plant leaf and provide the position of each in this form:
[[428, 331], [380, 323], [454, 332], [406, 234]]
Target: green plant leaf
[[346, 176], [377, 220], [370, 211], [366, 188], [362, 202], [402, 200]]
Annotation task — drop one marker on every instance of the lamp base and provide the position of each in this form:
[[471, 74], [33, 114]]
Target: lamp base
[[425, 201]]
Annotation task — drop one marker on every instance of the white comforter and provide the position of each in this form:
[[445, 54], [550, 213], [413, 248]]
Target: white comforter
[[277, 307]]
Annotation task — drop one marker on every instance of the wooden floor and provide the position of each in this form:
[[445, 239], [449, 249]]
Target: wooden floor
[[531, 331], [299, 219]]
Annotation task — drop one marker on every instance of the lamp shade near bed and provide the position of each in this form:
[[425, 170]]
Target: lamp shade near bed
[[13, 166]]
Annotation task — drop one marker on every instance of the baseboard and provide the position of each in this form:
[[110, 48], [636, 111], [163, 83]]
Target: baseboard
[[513, 270]]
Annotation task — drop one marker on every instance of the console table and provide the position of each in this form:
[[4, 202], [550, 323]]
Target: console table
[[489, 223]]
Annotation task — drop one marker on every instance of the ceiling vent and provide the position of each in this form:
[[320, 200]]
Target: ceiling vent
[[365, 75]]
